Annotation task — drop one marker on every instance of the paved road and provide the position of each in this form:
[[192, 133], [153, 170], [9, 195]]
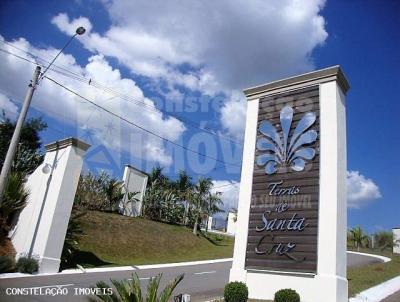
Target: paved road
[[211, 277], [354, 260], [393, 298]]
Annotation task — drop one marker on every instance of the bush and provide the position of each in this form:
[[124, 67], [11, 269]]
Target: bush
[[14, 200], [384, 240], [72, 236], [236, 292], [27, 265], [7, 264], [98, 192], [286, 295]]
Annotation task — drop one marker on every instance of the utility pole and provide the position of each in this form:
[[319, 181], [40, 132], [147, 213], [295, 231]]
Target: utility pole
[[17, 132], [24, 110]]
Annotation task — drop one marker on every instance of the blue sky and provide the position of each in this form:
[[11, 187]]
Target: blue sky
[[176, 68]]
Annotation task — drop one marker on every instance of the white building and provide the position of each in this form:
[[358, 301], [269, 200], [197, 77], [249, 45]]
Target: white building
[[396, 239], [231, 224]]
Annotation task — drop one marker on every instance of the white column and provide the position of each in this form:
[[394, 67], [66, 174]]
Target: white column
[[238, 273], [41, 226], [331, 267], [134, 181], [396, 240], [209, 223]]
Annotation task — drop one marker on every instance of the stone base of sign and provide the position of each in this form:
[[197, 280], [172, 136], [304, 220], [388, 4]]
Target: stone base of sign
[[263, 285], [329, 282]]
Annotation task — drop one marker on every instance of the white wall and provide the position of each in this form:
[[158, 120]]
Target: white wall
[[210, 223], [231, 226], [396, 239], [134, 181], [41, 226]]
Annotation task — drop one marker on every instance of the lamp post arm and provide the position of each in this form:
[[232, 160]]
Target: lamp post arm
[[55, 58]]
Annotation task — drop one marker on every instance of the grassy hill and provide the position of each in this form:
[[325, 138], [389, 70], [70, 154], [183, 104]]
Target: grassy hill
[[112, 239]]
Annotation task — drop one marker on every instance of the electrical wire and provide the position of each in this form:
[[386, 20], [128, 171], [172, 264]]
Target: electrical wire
[[136, 125], [73, 75]]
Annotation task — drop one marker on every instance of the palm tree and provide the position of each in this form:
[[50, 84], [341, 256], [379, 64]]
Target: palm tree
[[385, 240], [152, 198], [203, 201], [130, 290], [114, 193], [184, 187], [212, 205], [156, 175], [358, 237]]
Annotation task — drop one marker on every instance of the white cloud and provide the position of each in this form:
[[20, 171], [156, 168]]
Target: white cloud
[[227, 45], [67, 108], [230, 193], [233, 115], [9, 108], [360, 190], [62, 21]]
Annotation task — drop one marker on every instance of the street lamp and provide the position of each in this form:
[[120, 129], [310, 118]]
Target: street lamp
[[21, 118]]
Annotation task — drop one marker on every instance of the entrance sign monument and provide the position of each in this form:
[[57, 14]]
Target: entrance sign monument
[[291, 223]]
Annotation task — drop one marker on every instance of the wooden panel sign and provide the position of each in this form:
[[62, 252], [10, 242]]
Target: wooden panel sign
[[283, 224]]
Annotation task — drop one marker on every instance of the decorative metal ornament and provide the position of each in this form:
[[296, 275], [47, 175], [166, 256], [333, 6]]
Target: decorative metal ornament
[[286, 149]]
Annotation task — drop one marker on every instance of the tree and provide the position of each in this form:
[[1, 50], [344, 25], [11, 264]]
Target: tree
[[358, 237], [157, 175], [204, 202], [114, 193], [212, 206], [385, 240], [184, 187], [28, 156]]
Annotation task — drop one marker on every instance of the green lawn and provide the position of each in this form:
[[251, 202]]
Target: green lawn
[[362, 278], [112, 239]]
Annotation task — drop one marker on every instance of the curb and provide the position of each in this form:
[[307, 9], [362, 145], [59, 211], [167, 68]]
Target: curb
[[383, 258], [82, 270], [378, 292]]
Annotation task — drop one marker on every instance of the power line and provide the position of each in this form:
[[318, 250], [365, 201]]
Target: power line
[[136, 125], [73, 75], [17, 56], [226, 185]]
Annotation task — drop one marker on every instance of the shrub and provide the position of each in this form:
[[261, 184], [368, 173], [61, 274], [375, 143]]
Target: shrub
[[286, 295], [236, 292], [7, 264], [72, 236], [14, 200], [384, 240], [130, 290], [98, 192], [27, 265]]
